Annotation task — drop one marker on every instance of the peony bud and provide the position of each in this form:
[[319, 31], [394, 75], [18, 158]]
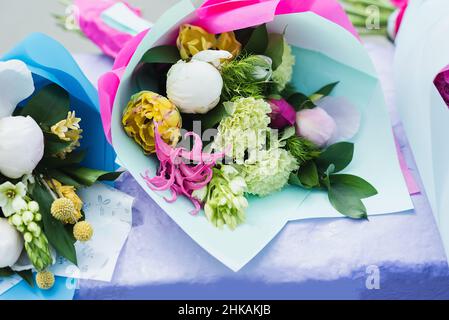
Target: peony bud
[[282, 115], [194, 87], [316, 125], [11, 244], [22, 146]]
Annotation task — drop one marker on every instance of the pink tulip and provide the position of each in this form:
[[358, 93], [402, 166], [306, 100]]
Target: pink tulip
[[316, 125]]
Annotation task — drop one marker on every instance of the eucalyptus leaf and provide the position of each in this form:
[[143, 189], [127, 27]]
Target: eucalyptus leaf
[[324, 92], [300, 101], [49, 106], [345, 202], [339, 154], [358, 186], [258, 41], [275, 49], [55, 231]]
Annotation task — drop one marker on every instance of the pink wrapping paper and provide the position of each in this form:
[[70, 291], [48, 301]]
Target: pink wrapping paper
[[218, 16], [108, 39], [402, 5]]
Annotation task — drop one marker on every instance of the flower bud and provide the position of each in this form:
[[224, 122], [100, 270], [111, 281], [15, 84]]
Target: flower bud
[[194, 87], [28, 237], [11, 244], [17, 220], [22, 146], [27, 217], [315, 125], [33, 206], [283, 114]]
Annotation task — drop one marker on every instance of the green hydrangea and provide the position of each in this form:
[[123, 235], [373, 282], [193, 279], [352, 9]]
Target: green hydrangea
[[223, 198], [271, 171], [284, 73], [245, 129]]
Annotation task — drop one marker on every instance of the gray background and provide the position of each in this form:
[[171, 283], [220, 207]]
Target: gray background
[[18, 18]]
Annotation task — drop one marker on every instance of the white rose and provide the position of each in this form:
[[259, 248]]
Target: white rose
[[21, 146], [11, 244], [194, 87]]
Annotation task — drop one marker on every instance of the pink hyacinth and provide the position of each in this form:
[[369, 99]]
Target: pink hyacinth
[[175, 172]]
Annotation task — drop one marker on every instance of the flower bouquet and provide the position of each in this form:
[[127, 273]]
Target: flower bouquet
[[422, 96], [249, 114], [47, 154]]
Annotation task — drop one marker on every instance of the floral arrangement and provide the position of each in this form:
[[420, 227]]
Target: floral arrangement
[[266, 134], [41, 214]]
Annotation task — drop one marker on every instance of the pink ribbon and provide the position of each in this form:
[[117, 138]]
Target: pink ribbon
[[219, 16]]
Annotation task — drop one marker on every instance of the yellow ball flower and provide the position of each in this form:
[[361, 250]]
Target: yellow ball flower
[[63, 210], [146, 108], [68, 192], [193, 39], [83, 231], [227, 41], [45, 280]]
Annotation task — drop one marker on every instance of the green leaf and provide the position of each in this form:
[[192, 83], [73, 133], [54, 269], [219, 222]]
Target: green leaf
[[161, 54], [258, 42], [88, 176], [55, 163], [346, 193], [358, 186], [54, 145], [27, 275], [208, 120], [55, 231], [300, 101], [308, 175], [49, 106], [63, 178], [294, 180], [339, 154], [275, 49], [6, 272], [324, 92]]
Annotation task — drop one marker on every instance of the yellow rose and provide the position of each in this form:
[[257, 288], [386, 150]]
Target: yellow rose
[[193, 39], [146, 108], [227, 41]]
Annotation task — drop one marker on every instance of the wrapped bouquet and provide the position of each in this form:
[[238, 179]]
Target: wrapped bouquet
[[44, 161], [251, 112]]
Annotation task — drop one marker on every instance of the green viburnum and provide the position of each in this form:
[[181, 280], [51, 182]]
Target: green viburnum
[[245, 129], [12, 197], [270, 172], [284, 73], [223, 198]]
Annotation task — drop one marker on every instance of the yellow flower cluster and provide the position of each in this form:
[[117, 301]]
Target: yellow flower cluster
[[68, 130], [143, 111], [193, 39]]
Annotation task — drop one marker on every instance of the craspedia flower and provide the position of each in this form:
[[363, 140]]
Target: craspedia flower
[[63, 209], [284, 72], [83, 231], [143, 110], [68, 192], [245, 129], [270, 172], [45, 280], [193, 39]]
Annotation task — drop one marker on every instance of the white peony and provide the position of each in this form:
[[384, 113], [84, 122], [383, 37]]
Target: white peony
[[16, 83], [316, 125], [194, 87], [11, 244], [21, 146]]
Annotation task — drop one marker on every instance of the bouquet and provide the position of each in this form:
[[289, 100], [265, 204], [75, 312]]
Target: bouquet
[[422, 98], [44, 162], [248, 120]]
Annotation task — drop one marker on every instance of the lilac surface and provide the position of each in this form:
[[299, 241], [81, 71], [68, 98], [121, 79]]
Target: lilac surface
[[325, 258]]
